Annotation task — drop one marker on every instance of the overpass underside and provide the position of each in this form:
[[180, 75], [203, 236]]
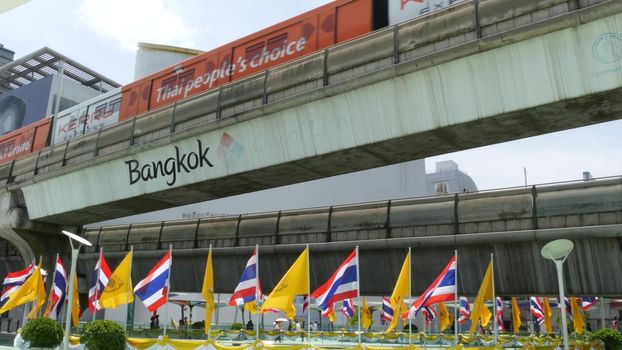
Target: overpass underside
[[513, 224], [423, 88]]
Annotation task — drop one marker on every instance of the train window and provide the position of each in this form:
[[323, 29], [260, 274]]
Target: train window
[[254, 50], [169, 82], [277, 41], [185, 76]]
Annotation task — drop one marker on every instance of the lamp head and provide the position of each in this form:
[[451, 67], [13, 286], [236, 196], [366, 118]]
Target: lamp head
[[77, 238], [557, 249]]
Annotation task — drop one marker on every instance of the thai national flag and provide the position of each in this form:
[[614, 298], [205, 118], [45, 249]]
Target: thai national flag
[[465, 310], [429, 314], [442, 289], [535, 306], [14, 280], [347, 308], [248, 288], [340, 286], [499, 316], [59, 290], [152, 290], [100, 278], [588, 302], [568, 309], [305, 303], [387, 310]]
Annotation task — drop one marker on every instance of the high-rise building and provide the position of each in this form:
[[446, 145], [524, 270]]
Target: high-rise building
[[448, 178]]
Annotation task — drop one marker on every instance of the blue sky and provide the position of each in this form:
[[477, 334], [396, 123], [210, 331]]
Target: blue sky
[[102, 34]]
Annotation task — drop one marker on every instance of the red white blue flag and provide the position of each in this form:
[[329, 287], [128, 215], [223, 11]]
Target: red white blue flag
[[14, 280], [499, 316], [588, 302], [535, 306], [152, 290], [59, 290], [442, 289], [387, 310], [100, 278], [347, 308], [341, 285], [248, 288], [429, 314], [465, 310]]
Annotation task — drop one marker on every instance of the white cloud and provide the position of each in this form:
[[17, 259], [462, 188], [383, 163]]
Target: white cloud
[[129, 22]]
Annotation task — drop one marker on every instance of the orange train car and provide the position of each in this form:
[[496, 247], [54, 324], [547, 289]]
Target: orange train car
[[314, 30], [25, 140]]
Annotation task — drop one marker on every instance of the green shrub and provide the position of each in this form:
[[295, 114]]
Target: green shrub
[[198, 325], [43, 333], [103, 335], [610, 337], [237, 326]]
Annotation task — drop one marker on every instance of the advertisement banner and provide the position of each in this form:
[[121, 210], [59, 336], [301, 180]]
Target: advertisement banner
[[24, 106], [87, 117], [404, 10]]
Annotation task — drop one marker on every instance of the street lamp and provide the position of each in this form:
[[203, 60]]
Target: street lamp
[[75, 250], [558, 251]]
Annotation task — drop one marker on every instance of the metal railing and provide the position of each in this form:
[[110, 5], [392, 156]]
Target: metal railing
[[380, 55]]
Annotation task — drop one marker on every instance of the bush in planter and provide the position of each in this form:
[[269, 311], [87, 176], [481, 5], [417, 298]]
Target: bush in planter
[[43, 333], [610, 337], [103, 335], [236, 326]]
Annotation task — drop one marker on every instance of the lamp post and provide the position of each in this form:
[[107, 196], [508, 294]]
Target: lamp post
[[558, 251], [75, 250]]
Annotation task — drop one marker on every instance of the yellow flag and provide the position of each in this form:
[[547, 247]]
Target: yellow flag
[[252, 307], [119, 290], [331, 315], [579, 323], [399, 292], [480, 311], [515, 316], [445, 320], [208, 291], [546, 309], [365, 316], [75, 309], [294, 282], [31, 290]]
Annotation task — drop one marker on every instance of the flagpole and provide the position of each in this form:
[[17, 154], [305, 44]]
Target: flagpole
[[410, 329], [457, 304], [257, 293], [209, 330], [358, 292], [127, 295], [168, 288], [494, 300], [97, 273], [308, 295]]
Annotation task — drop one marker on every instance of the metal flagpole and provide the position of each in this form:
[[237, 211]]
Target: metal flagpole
[[257, 292], [494, 300], [457, 305], [209, 331], [410, 328], [358, 291], [168, 288], [601, 303], [127, 296], [97, 272], [308, 295]]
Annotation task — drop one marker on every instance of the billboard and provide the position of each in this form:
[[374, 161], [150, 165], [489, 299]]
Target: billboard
[[404, 10], [24, 106], [87, 117]]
